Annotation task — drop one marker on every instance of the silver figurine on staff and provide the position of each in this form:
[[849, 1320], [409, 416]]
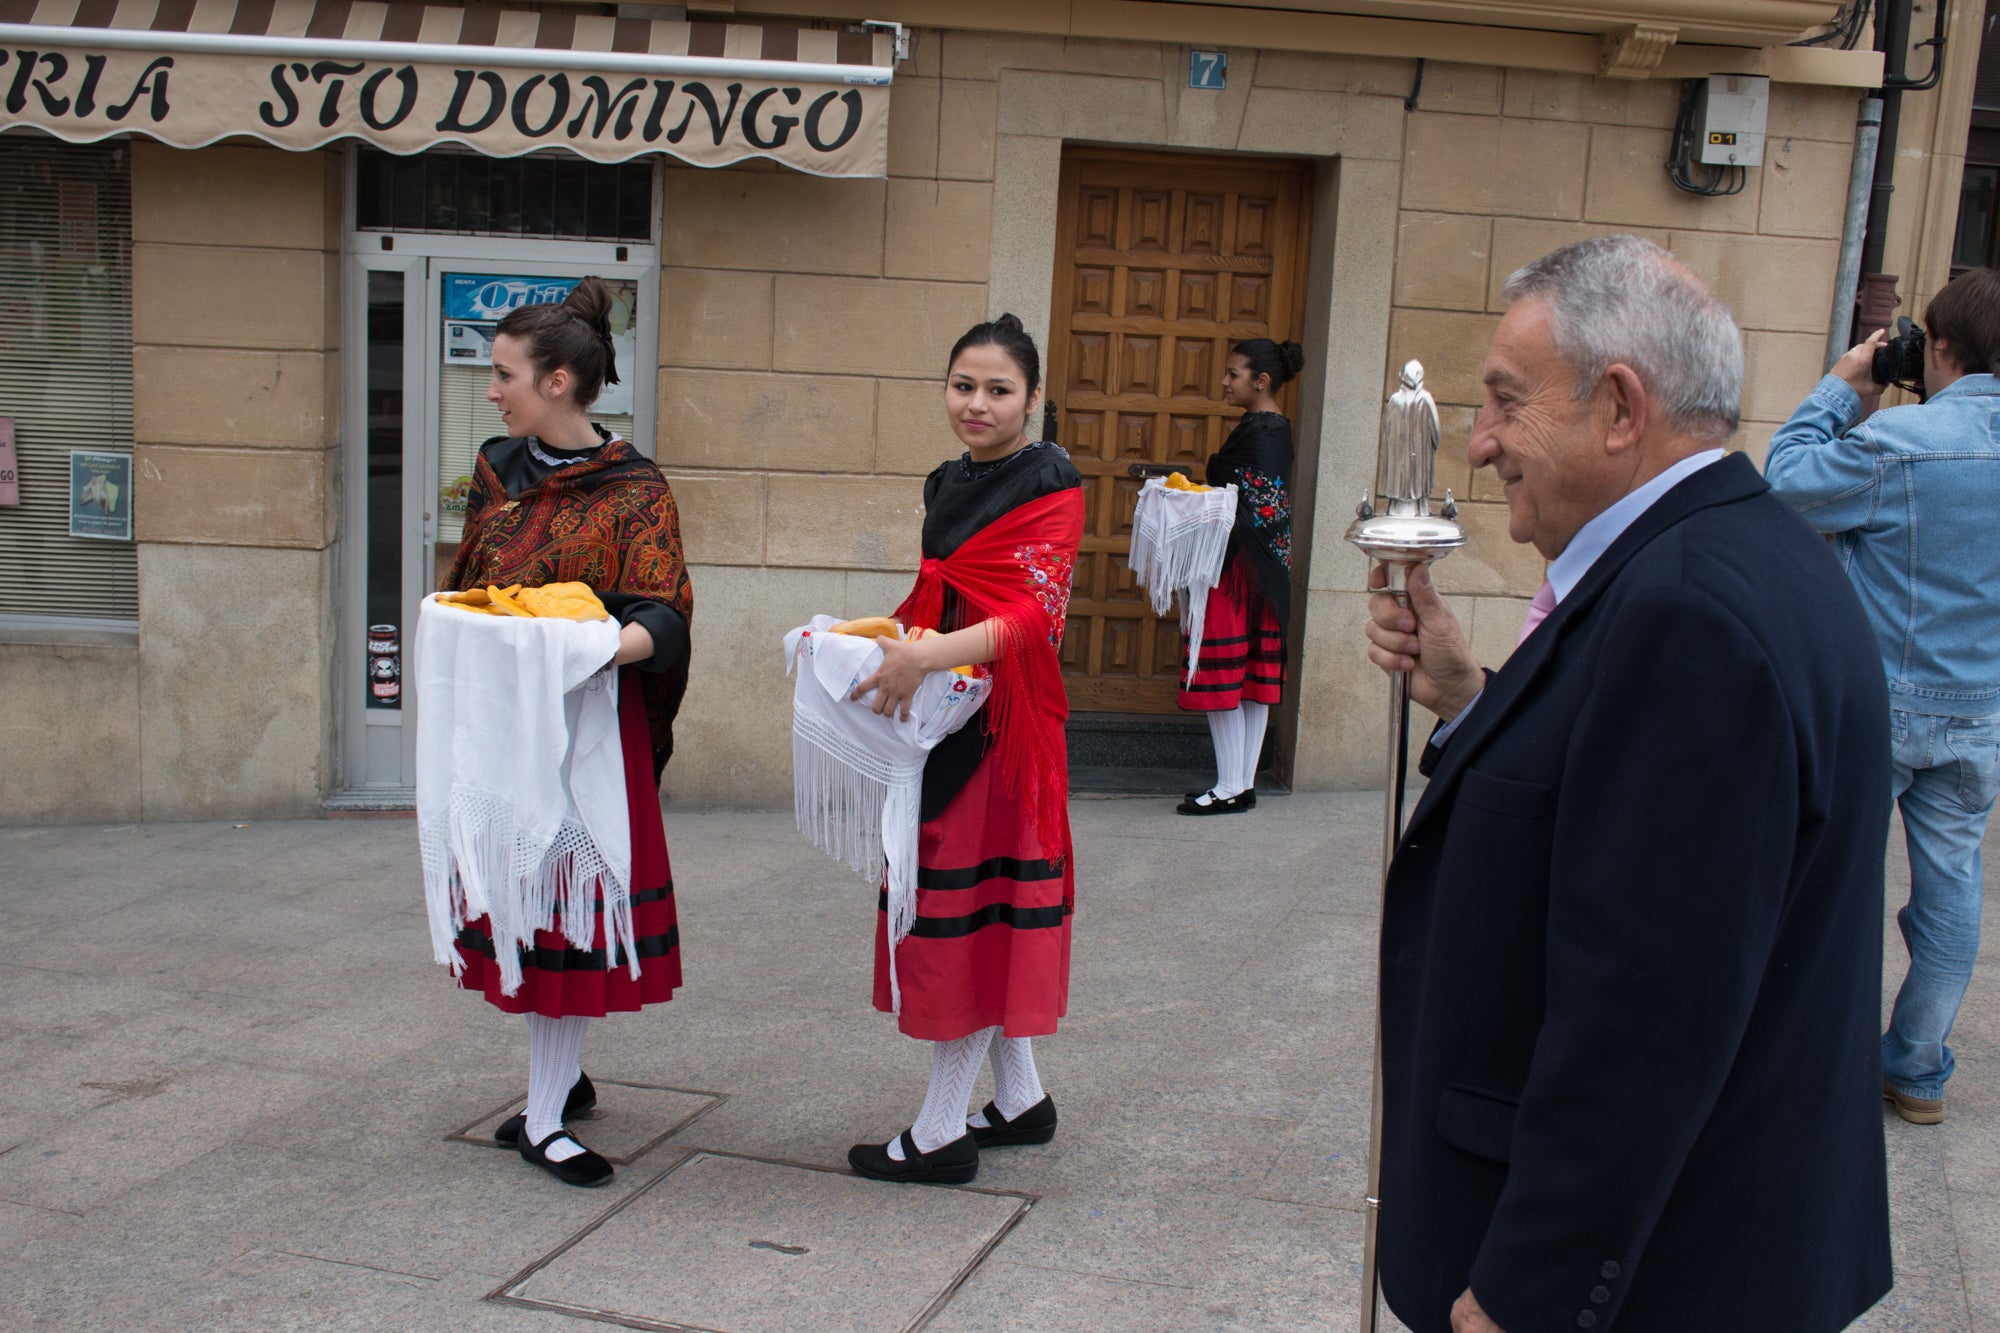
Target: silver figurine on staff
[[1396, 528]]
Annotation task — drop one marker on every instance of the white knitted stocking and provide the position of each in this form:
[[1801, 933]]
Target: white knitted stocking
[[555, 1061], [954, 1069]]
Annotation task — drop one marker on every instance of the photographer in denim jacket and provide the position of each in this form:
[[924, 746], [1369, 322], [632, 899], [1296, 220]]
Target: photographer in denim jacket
[[1907, 496]]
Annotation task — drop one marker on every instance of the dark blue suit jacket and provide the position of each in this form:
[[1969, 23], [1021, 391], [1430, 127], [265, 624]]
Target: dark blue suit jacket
[[1632, 952]]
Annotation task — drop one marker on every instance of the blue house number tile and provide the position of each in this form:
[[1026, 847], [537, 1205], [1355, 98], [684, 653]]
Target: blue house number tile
[[1208, 69]]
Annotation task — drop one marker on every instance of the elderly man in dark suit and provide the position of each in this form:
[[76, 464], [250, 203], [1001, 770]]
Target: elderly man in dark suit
[[1632, 947]]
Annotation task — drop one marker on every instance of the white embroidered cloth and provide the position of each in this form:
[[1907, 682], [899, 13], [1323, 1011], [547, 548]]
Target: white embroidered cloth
[[520, 782], [858, 775], [1179, 539]]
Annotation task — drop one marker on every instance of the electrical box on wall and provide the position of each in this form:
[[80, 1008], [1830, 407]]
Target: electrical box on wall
[[1729, 119]]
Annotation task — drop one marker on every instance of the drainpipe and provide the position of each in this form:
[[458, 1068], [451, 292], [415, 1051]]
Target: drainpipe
[[1878, 299], [1860, 182]]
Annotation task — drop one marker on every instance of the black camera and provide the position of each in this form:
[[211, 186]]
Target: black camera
[[1900, 360]]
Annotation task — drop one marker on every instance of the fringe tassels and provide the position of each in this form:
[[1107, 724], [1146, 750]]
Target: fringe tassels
[[477, 866], [1179, 542]]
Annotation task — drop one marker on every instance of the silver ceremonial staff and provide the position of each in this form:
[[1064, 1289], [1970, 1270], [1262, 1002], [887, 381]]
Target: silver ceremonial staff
[[1396, 528]]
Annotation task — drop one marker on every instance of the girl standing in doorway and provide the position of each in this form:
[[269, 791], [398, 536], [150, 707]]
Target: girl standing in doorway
[[1243, 644], [985, 968], [559, 500]]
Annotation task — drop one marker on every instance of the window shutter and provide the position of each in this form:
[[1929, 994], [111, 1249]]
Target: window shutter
[[65, 367]]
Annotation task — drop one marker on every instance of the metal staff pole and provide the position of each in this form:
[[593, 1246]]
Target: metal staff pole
[[1401, 534]]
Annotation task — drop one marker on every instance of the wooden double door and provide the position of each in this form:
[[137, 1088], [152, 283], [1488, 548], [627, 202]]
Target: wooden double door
[[1162, 261]]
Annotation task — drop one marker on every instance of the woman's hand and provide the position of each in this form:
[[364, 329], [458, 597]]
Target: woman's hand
[[904, 666]]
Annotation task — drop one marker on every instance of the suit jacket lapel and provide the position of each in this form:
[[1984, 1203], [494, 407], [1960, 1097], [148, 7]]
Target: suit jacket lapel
[[1725, 482]]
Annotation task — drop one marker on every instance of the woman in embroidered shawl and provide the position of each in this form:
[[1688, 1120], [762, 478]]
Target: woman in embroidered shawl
[[1243, 642], [986, 966], [559, 499]]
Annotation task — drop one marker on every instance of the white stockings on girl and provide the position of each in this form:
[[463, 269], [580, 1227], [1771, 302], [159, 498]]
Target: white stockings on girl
[[1255, 717], [555, 1062], [1225, 728], [1016, 1085], [954, 1069]]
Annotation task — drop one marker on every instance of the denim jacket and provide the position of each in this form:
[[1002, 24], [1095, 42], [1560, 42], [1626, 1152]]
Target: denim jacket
[[1911, 497]]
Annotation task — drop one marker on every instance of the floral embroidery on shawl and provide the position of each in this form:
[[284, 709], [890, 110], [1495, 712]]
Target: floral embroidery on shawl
[[1050, 570], [1270, 509]]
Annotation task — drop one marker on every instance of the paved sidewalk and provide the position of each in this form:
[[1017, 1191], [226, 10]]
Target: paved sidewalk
[[230, 1078]]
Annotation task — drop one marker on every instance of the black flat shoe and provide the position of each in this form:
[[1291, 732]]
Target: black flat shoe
[[1249, 797], [586, 1168], [582, 1100], [954, 1164], [1208, 803], [1037, 1124]]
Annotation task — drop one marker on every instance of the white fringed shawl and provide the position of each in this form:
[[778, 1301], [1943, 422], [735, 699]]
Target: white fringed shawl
[[520, 782], [857, 775], [1179, 539]]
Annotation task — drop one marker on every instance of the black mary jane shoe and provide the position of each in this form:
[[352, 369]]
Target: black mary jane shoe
[[582, 1100], [1208, 803], [586, 1168], [956, 1163], [1249, 795], [1037, 1124]]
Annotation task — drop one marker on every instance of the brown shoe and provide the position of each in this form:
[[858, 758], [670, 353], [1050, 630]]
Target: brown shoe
[[1916, 1110]]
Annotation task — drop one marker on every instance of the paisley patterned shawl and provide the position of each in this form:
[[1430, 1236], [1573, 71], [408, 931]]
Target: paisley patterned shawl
[[1257, 459], [609, 522]]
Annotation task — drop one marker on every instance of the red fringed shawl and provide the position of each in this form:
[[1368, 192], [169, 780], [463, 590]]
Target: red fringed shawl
[[1017, 570], [609, 522]]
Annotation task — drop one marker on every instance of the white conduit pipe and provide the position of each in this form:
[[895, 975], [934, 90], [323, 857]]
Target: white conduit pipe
[[1847, 276]]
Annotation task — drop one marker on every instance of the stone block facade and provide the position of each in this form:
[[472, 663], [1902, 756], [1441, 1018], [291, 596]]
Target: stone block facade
[[803, 328]]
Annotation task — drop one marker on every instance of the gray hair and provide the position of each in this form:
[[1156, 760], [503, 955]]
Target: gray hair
[[1622, 299]]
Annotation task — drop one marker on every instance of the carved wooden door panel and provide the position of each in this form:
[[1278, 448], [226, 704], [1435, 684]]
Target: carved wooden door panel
[[1162, 261]]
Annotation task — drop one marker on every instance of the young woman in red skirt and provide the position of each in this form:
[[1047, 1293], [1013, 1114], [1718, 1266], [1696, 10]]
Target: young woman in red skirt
[[1243, 638], [560, 500], [985, 968]]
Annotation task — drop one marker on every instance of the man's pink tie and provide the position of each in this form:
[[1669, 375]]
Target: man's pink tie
[[1538, 610]]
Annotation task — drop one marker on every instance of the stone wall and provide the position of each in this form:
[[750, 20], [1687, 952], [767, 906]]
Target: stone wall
[[236, 386], [799, 394]]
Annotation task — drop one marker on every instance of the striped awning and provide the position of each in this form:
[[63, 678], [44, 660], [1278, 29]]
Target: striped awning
[[304, 73]]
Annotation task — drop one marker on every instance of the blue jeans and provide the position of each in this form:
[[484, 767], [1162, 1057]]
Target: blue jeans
[[1947, 772]]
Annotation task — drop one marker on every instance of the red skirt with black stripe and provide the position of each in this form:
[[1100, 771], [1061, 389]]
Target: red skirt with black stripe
[[1242, 646], [561, 981], [990, 947]]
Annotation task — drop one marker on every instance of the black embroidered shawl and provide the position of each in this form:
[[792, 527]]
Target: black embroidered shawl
[[1257, 458]]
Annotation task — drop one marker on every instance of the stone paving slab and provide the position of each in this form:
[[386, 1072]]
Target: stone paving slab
[[736, 1245], [229, 1073]]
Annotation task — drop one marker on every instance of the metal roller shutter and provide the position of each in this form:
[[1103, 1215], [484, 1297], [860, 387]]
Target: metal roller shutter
[[65, 367]]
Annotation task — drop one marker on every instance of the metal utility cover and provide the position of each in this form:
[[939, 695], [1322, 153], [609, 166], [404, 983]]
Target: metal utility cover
[[727, 1244]]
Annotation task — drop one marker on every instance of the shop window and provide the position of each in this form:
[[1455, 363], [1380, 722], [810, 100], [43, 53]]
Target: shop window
[[554, 197], [66, 380]]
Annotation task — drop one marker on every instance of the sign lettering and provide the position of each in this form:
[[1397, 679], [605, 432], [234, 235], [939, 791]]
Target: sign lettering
[[190, 99]]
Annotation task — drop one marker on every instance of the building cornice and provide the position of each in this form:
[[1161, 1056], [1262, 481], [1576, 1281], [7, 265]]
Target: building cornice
[[1621, 38]]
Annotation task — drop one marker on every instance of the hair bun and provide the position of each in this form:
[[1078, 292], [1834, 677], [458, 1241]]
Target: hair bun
[[1010, 323], [1294, 357]]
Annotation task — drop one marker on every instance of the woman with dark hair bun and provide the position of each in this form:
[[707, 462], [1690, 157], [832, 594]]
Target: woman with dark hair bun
[[1243, 643], [559, 499], [985, 966]]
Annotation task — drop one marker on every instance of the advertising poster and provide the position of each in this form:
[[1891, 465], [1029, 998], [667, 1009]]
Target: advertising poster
[[475, 303], [100, 495], [10, 471]]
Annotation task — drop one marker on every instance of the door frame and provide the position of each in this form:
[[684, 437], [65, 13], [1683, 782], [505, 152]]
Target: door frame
[[1179, 169], [421, 257]]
